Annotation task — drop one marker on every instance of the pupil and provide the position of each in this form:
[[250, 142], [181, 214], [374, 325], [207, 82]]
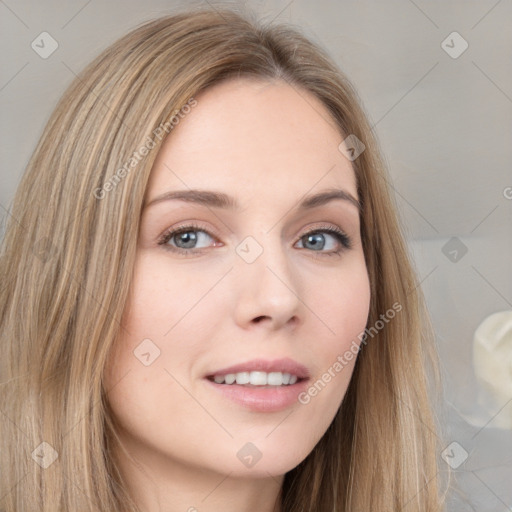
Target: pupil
[[188, 238], [317, 240]]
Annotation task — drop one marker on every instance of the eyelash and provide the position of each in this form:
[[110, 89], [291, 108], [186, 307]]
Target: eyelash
[[344, 240]]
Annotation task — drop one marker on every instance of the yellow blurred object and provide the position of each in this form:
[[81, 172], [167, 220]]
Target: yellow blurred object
[[492, 361]]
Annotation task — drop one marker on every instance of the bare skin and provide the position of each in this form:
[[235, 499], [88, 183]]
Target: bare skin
[[206, 308]]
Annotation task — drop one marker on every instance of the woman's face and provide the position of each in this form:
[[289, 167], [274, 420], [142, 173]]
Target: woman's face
[[256, 279]]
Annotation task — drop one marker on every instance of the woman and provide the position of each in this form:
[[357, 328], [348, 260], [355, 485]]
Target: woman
[[207, 302]]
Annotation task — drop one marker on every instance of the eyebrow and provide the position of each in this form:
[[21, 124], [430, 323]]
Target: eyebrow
[[221, 200]]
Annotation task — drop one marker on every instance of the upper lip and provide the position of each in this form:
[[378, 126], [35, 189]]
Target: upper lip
[[285, 365]]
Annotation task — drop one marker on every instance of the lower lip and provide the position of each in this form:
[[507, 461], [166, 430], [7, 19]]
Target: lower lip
[[262, 399]]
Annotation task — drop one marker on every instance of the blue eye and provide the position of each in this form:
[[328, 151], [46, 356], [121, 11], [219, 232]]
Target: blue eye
[[317, 240], [188, 239], [185, 240]]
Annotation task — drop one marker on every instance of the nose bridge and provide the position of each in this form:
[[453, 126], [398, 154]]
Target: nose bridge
[[266, 285]]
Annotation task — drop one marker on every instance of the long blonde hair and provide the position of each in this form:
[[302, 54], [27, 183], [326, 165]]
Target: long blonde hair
[[68, 255]]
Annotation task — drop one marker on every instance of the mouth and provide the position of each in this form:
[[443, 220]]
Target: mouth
[[256, 379], [260, 385]]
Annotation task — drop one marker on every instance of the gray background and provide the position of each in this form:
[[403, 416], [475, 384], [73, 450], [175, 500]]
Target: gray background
[[444, 125]]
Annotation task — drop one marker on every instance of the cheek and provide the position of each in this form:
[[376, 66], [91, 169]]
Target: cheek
[[161, 298], [166, 317], [343, 306]]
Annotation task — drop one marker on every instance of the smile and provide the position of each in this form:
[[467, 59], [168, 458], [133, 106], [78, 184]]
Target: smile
[[257, 378]]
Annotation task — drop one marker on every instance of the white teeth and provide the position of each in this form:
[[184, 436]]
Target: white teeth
[[275, 378], [257, 378], [243, 378], [230, 378]]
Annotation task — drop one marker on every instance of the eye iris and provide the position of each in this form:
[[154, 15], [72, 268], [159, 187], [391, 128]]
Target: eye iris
[[189, 238], [317, 239]]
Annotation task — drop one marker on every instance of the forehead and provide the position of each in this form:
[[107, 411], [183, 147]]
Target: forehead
[[250, 137]]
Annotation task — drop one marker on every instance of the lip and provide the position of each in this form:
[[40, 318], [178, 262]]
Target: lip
[[263, 398]]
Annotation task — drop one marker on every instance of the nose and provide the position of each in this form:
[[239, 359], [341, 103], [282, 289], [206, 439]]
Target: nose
[[267, 290]]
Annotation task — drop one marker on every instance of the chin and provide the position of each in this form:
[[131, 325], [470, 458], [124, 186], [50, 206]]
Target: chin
[[264, 458]]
